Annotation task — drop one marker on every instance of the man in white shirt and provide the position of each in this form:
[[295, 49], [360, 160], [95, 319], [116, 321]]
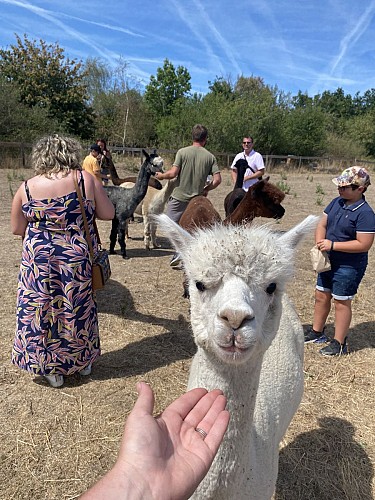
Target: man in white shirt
[[255, 171]]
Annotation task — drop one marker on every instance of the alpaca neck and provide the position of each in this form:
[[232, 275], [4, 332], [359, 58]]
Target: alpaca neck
[[141, 184], [246, 211], [112, 170], [240, 177], [239, 383], [238, 466]]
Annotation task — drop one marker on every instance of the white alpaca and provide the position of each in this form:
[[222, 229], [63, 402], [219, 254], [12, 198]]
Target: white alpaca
[[249, 344], [152, 204]]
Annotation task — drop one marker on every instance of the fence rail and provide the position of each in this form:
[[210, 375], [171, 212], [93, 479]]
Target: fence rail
[[19, 153]]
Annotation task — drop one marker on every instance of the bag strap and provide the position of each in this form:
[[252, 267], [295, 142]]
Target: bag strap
[[87, 231], [250, 167]]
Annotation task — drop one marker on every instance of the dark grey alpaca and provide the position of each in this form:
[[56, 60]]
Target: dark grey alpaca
[[127, 200], [233, 199]]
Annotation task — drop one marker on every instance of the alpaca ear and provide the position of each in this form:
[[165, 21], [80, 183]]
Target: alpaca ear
[[177, 236], [296, 235], [145, 154]]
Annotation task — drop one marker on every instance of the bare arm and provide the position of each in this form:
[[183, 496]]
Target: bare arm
[[233, 174], [255, 175], [362, 243], [216, 181], [17, 220], [321, 229], [172, 173], [165, 453]]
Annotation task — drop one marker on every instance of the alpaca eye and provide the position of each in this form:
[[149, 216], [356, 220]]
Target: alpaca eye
[[200, 286], [271, 288]]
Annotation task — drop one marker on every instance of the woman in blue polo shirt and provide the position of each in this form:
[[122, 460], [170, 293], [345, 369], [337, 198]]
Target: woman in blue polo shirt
[[346, 230]]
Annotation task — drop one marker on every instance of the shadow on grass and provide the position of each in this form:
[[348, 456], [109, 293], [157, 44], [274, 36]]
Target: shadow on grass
[[325, 464], [149, 353]]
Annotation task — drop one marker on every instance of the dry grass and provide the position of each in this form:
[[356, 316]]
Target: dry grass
[[56, 442]]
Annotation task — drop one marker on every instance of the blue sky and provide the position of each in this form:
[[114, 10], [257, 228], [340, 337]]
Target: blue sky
[[311, 46]]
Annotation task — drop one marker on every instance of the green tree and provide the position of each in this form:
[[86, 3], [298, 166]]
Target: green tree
[[19, 122], [302, 100], [97, 78], [306, 130], [360, 130], [121, 115], [46, 78], [336, 103], [169, 85], [220, 86], [174, 131]]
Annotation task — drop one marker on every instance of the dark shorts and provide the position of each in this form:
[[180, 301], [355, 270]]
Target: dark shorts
[[342, 281]]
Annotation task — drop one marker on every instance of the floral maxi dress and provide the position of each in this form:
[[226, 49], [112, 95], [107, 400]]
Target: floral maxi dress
[[57, 323]]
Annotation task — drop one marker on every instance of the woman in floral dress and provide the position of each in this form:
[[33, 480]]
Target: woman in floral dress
[[57, 323]]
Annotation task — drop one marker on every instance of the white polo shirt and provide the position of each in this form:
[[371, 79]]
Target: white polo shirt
[[255, 161]]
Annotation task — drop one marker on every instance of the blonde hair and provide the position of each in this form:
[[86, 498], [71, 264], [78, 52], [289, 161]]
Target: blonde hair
[[54, 153]]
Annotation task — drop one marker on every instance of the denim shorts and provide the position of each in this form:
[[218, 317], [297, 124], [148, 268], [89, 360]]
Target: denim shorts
[[342, 281]]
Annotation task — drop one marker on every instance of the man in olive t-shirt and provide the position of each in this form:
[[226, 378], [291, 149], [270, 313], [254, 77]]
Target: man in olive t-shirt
[[192, 166]]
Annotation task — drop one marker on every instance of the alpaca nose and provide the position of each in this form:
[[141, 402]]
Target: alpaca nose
[[280, 211], [235, 316]]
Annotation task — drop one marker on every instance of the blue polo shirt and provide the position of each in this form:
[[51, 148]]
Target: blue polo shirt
[[343, 224]]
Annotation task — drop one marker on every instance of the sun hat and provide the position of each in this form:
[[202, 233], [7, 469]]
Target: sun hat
[[95, 147], [356, 176]]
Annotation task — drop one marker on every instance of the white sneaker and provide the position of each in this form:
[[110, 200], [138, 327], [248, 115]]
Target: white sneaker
[[86, 371], [55, 380]]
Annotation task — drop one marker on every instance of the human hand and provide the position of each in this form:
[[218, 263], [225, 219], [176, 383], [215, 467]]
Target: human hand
[[324, 245], [206, 188], [167, 452]]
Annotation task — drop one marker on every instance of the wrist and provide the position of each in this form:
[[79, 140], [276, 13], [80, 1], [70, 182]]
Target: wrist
[[332, 242], [119, 483]]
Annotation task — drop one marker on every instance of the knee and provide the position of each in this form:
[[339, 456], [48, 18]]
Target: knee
[[322, 298], [342, 304]]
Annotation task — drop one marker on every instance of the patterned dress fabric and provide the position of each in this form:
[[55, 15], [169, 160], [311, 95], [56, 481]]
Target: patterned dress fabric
[[57, 323]]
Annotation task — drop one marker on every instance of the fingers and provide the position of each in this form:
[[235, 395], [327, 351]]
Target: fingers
[[214, 419], [217, 431], [207, 408], [185, 403], [145, 401]]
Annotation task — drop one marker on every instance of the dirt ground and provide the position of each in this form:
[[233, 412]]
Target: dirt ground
[[56, 442]]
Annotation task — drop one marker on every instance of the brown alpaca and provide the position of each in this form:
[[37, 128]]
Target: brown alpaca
[[263, 199], [199, 213]]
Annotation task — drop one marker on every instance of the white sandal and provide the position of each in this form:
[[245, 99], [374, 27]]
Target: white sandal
[[86, 371], [54, 380]]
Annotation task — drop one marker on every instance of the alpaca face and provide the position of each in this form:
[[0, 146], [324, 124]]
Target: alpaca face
[[235, 291], [155, 163], [234, 319], [236, 276]]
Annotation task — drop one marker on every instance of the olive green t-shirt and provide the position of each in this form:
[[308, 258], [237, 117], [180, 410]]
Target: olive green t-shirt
[[195, 164]]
